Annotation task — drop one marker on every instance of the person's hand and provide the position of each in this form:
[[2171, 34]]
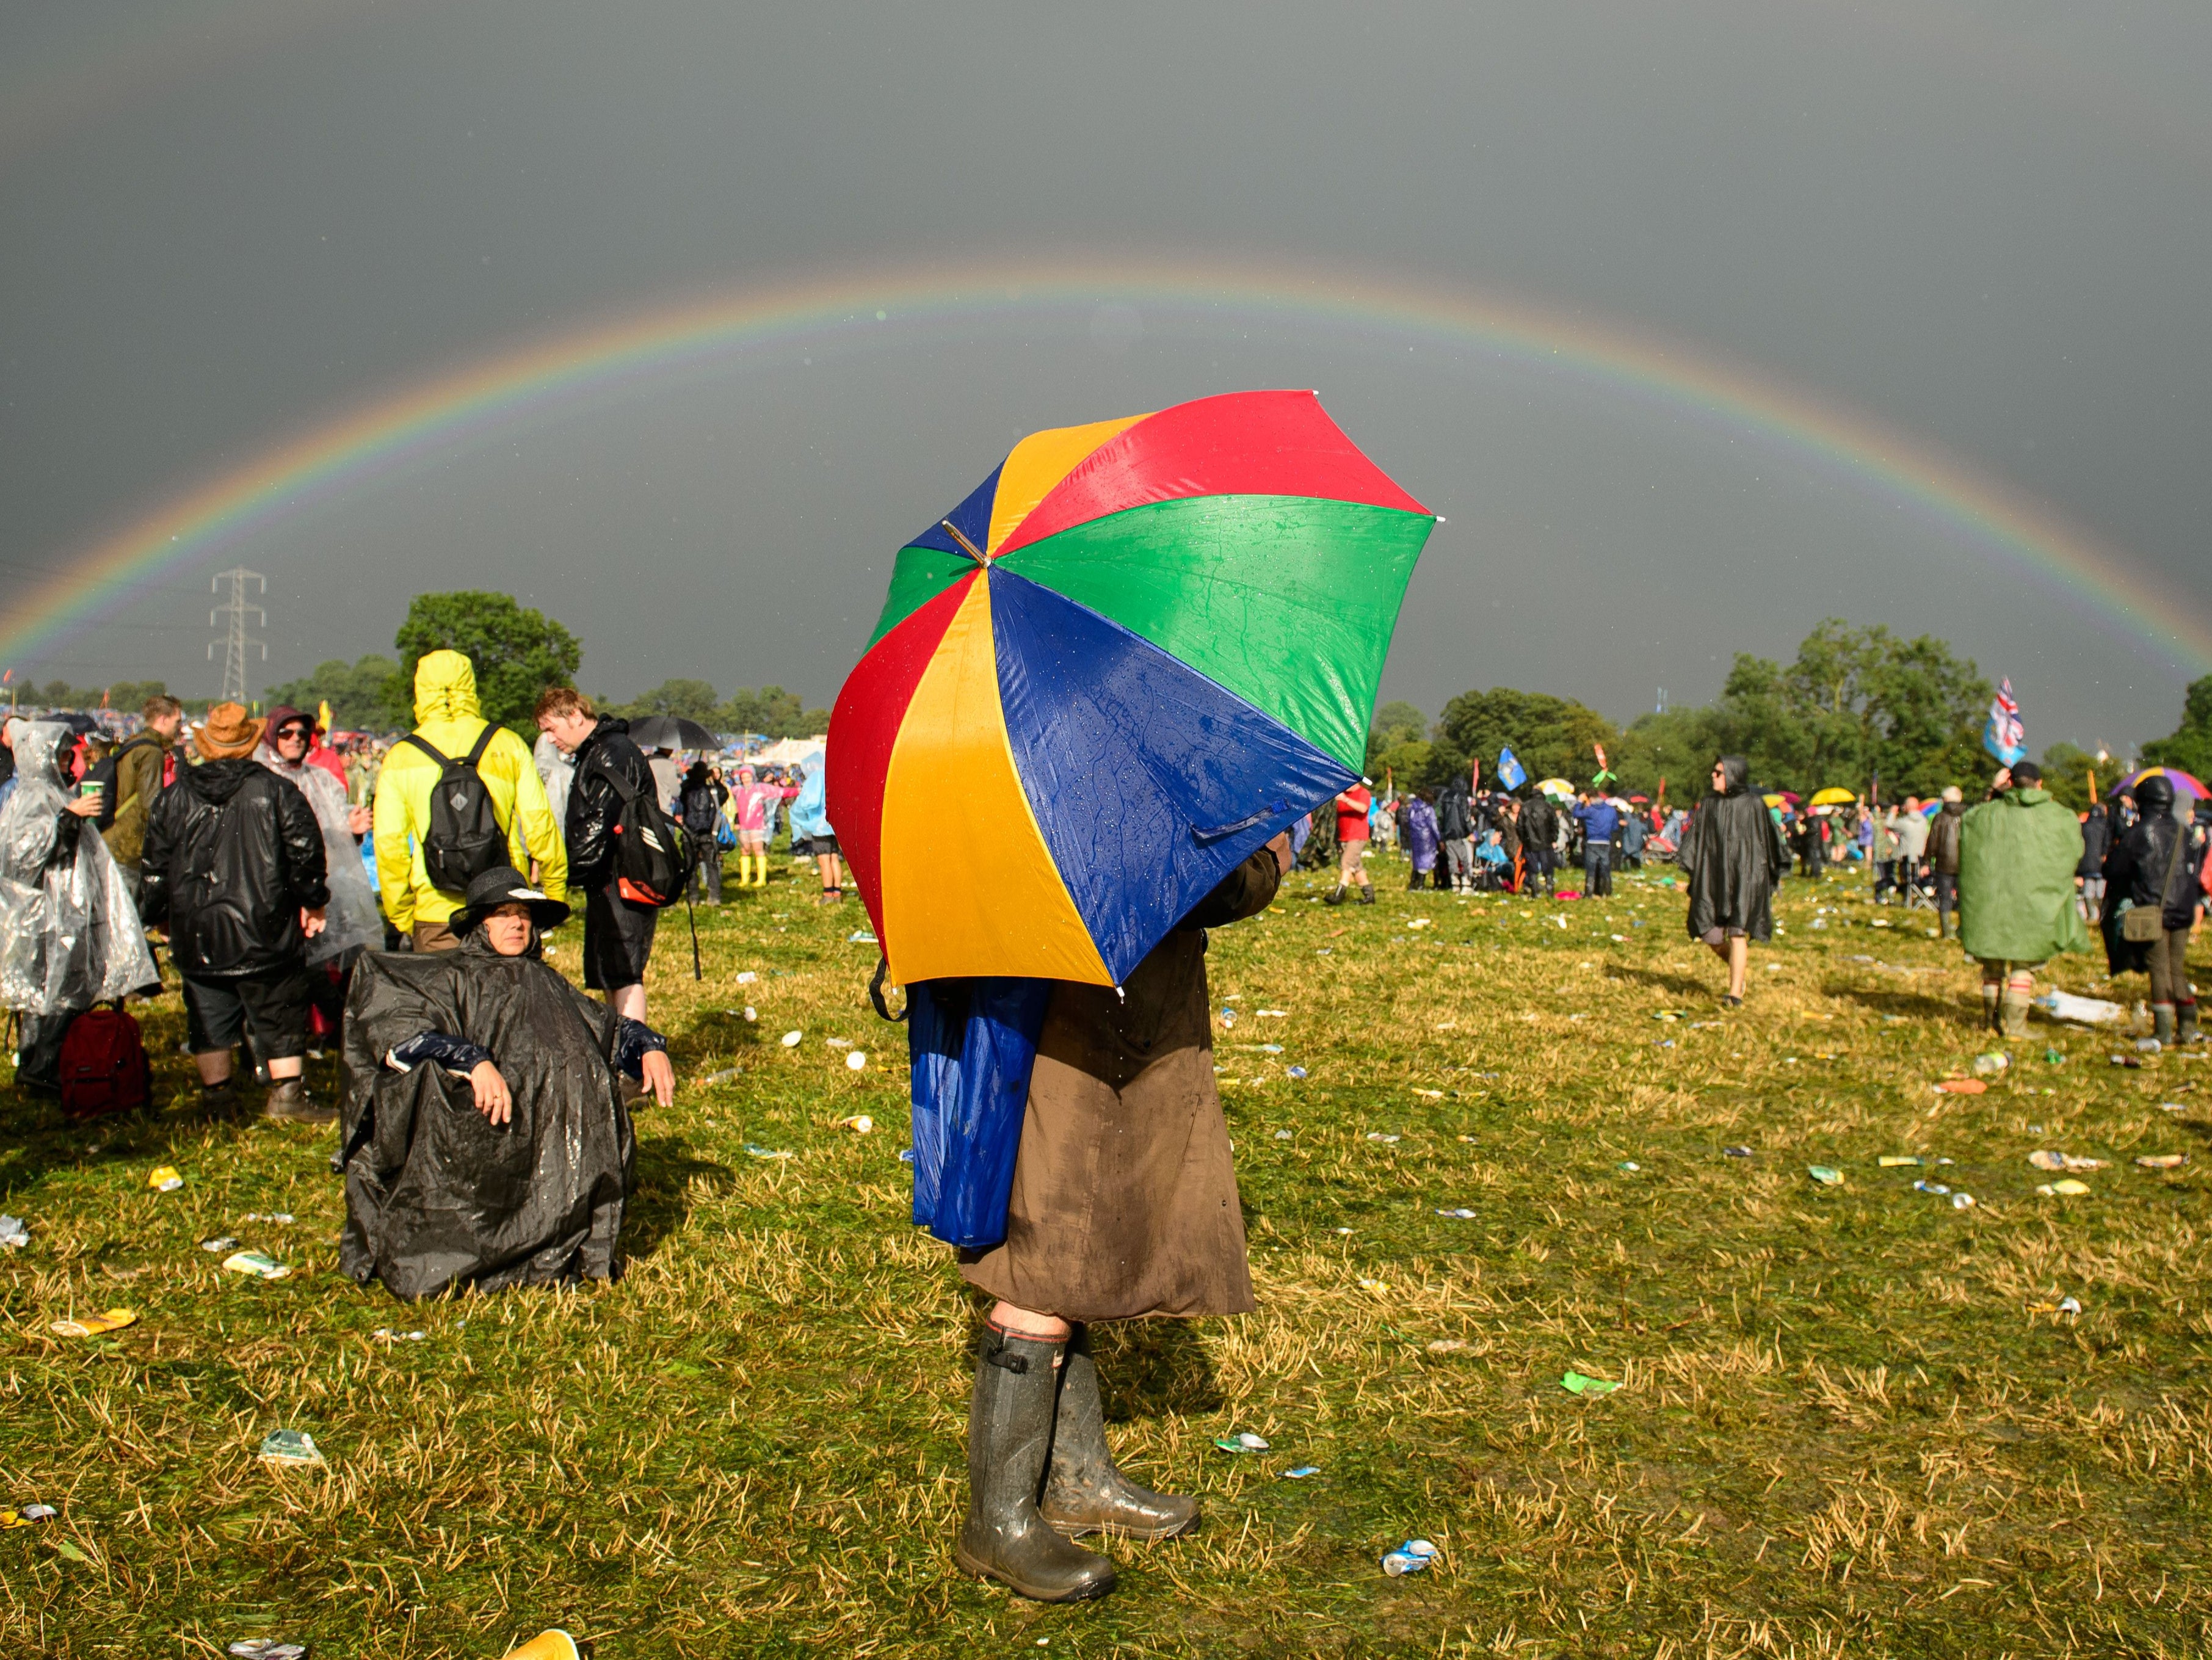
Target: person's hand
[[492, 1099], [659, 1076], [357, 821], [1280, 847], [84, 806], [311, 922], [2002, 783]]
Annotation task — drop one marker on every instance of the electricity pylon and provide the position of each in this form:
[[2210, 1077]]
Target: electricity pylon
[[235, 645]]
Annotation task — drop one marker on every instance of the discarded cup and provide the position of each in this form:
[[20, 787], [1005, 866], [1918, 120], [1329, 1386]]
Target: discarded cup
[[2147, 1046], [164, 1178], [1576, 1384], [291, 1449], [266, 1648], [1244, 1441], [721, 1077], [13, 1233], [93, 1325], [1962, 1202], [859, 1123], [1412, 1557], [1988, 1065], [856, 1061], [751, 1013], [1297, 1072], [790, 1040], [1826, 1175]]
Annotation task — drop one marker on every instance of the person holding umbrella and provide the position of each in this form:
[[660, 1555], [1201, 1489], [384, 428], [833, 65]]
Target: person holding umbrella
[[1732, 860]]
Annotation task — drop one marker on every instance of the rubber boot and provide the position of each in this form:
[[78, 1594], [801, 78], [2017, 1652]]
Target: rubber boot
[[1946, 923], [2184, 1023], [1989, 997], [288, 1101], [2161, 1023], [1009, 1439], [1334, 896], [2012, 1019], [1083, 1492], [1366, 893]]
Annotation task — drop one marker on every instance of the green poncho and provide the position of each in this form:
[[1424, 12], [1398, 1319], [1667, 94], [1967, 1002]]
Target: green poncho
[[2016, 896]]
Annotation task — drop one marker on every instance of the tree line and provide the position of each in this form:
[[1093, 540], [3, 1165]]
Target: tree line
[[1859, 707]]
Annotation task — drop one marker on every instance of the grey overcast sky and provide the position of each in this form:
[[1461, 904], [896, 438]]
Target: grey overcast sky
[[1985, 229]]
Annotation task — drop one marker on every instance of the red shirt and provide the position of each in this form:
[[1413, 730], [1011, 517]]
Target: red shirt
[[1352, 813]]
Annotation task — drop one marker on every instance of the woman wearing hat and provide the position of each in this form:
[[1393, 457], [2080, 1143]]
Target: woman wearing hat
[[486, 1139]]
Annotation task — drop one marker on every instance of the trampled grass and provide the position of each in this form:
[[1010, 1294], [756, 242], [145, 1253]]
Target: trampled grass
[[1841, 1428]]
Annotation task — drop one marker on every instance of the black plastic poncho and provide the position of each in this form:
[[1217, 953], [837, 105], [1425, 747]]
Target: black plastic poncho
[[1732, 858], [438, 1197]]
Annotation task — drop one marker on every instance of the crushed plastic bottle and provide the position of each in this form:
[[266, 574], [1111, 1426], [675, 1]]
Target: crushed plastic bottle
[[1412, 1557], [1243, 1441], [291, 1448]]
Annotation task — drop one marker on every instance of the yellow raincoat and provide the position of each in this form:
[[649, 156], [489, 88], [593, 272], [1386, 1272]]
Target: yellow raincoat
[[447, 718]]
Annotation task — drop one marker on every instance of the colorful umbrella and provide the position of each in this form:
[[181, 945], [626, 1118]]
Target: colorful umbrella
[[1833, 796], [1137, 652], [1556, 787], [2183, 783]]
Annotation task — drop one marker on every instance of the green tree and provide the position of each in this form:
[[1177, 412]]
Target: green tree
[[359, 694], [2189, 746], [2066, 769], [773, 713], [517, 653], [686, 700], [1549, 736]]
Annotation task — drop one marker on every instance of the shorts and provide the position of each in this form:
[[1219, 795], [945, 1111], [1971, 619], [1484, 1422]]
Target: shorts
[[1722, 936], [273, 1005], [814, 847], [617, 939]]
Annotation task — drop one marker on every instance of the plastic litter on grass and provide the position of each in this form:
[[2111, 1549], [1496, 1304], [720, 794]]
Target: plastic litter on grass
[[1826, 1175], [291, 1449], [1412, 1557], [164, 1178], [266, 1648], [13, 1234], [28, 1515], [1576, 1384], [2161, 1160], [791, 1040], [95, 1324], [2070, 1188], [254, 1263], [2047, 1158], [756, 1150], [1244, 1441], [1302, 1472]]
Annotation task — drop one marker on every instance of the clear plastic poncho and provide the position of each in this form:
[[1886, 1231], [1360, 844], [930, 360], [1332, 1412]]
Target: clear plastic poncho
[[352, 918], [70, 935]]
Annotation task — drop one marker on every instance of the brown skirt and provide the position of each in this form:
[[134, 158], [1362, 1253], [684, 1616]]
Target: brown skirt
[[1125, 1195]]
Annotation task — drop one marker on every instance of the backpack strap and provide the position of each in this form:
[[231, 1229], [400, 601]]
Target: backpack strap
[[429, 749], [484, 742]]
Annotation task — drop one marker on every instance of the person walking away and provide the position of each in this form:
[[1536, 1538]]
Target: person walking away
[[70, 935], [352, 922], [701, 797], [2089, 875], [1732, 859], [667, 780], [1633, 832], [1124, 1206], [610, 770], [234, 866], [1421, 840], [1885, 854], [1943, 859], [1455, 831], [1352, 807], [812, 834], [142, 769], [1912, 826], [1540, 830], [450, 727], [1599, 819], [2017, 855], [2158, 868]]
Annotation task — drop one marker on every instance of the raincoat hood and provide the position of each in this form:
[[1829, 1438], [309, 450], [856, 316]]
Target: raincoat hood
[[38, 742], [445, 687], [1735, 775], [216, 781], [2154, 795]]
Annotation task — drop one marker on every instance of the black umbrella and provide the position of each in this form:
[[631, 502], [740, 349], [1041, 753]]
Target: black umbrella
[[671, 731]]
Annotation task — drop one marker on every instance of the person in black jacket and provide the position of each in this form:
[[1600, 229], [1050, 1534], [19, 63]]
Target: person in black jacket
[[2089, 875], [1539, 828], [610, 769], [1456, 829], [233, 863], [2158, 865], [701, 800], [1733, 860]]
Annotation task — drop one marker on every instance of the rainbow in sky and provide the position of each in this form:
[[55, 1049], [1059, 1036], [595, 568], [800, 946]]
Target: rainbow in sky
[[727, 330]]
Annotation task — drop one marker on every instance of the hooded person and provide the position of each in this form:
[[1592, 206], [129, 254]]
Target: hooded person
[[2156, 865], [352, 922], [1943, 858], [1733, 858], [486, 1139], [449, 725], [2017, 856], [234, 864], [70, 936]]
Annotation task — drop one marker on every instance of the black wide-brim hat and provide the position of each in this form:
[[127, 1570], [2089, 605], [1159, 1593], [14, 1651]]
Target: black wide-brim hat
[[506, 886]]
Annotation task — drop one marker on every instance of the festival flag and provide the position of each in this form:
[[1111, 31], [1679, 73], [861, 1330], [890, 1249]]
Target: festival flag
[[2004, 736], [1602, 776], [1510, 772], [1474, 773], [323, 715]]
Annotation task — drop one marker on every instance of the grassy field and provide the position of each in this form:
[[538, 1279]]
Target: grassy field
[[1842, 1425]]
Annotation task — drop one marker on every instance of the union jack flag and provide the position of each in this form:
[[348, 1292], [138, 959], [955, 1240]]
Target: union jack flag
[[2004, 736]]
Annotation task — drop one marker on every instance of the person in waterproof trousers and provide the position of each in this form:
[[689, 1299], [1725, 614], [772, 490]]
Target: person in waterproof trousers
[[2146, 870], [1124, 1206], [1733, 859], [618, 932], [487, 1141], [2017, 854]]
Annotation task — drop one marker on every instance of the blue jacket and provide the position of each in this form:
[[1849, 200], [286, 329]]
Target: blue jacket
[[1599, 819]]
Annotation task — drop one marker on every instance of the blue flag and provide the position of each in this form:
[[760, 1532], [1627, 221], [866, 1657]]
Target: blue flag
[[1510, 773], [2004, 736]]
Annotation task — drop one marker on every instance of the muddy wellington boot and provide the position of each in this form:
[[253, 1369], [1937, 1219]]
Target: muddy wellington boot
[[1083, 1492], [1367, 893], [2012, 1014], [1334, 896], [288, 1103], [1009, 1439], [2184, 1023], [2161, 1024]]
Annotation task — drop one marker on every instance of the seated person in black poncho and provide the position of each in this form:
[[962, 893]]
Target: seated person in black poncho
[[487, 1140]]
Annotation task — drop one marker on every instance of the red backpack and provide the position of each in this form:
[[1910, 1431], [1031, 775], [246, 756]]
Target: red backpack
[[104, 1067]]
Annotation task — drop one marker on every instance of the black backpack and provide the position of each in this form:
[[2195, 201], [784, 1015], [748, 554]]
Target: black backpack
[[104, 774], [649, 867], [465, 838]]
